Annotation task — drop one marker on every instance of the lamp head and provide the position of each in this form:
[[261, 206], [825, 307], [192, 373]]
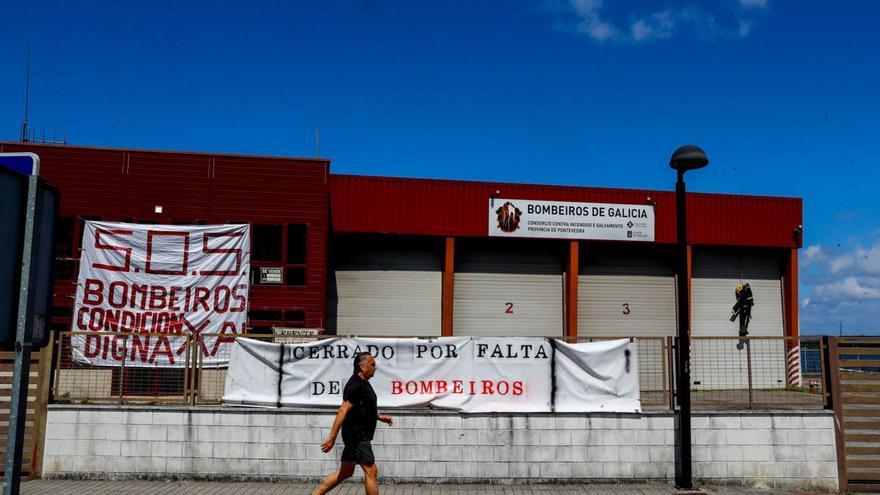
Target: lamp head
[[688, 157]]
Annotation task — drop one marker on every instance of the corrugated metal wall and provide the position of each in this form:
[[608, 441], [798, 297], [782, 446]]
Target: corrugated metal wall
[[454, 208], [120, 185]]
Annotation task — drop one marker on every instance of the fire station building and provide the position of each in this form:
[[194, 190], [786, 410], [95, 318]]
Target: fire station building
[[376, 256]]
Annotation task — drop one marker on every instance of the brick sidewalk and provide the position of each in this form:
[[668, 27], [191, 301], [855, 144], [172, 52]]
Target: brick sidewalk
[[63, 487]]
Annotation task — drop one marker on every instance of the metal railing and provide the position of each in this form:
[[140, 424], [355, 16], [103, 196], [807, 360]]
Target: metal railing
[[727, 373]]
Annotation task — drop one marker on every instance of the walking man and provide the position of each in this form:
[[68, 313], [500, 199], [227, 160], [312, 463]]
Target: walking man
[[357, 418]]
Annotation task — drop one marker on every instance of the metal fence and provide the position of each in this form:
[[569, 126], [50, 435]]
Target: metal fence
[[727, 373]]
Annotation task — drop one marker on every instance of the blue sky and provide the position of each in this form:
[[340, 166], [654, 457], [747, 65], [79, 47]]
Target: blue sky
[[783, 96]]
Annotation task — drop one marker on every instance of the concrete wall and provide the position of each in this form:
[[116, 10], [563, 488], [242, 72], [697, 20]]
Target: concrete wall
[[779, 449]]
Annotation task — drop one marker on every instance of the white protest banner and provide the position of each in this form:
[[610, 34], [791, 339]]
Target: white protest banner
[[566, 220], [143, 287], [459, 373], [603, 374]]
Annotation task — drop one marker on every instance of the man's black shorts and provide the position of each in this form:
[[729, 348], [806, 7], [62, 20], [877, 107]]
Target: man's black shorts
[[359, 452]]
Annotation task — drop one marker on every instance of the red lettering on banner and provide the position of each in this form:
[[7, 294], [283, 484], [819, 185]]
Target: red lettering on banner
[[441, 387], [218, 307], [227, 328], [139, 290], [517, 388], [110, 247], [240, 299], [129, 322], [162, 348], [236, 252], [94, 288], [96, 320], [157, 297], [196, 333], [111, 321], [111, 292], [80, 324], [139, 347], [201, 297], [173, 298], [118, 347], [92, 347], [161, 233], [488, 388]]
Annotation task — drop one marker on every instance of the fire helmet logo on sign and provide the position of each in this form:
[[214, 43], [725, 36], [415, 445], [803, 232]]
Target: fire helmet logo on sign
[[508, 217]]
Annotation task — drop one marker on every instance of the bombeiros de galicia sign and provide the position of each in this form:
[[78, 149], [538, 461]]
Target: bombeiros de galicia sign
[[567, 220]]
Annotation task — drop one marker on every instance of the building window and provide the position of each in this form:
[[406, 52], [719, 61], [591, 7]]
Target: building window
[[266, 243], [296, 244], [64, 237], [278, 254], [294, 317]]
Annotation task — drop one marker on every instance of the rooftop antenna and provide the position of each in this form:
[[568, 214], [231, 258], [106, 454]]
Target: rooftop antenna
[[27, 83], [317, 142]]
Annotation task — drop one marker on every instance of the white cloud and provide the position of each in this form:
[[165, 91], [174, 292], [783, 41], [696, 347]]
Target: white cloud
[[812, 255], [868, 260], [841, 263], [841, 286], [849, 288], [657, 26], [592, 18]]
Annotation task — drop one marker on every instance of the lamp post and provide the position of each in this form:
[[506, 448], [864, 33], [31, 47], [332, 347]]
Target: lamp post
[[686, 158]]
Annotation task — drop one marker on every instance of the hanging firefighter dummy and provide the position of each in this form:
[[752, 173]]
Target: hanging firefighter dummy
[[743, 308]]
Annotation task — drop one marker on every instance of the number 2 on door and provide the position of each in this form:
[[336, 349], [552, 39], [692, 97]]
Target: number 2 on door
[[509, 308]]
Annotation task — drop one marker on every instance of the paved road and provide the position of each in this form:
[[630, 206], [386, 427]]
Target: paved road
[[53, 487]]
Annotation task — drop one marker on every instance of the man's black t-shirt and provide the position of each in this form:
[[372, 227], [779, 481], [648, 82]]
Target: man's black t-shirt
[[360, 422]]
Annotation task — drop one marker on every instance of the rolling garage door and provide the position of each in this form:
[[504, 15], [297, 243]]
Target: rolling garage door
[[626, 292], [629, 291], [720, 364], [384, 287], [508, 288]]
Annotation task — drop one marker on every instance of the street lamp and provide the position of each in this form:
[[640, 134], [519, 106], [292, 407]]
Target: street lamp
[[688, 157]]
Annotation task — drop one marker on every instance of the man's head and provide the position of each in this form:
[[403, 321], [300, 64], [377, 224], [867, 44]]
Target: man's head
[[364, 364]]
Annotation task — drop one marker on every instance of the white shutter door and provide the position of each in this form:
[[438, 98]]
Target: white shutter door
[[385, 289], [713, 283], [508, 292], [630, 292], [723, 363], [626, 296]]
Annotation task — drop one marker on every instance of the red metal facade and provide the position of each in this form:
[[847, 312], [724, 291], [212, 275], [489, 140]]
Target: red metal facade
[[127, 185], [454, 208]]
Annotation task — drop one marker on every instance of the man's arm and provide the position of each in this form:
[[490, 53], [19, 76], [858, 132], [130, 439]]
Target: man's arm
[[327, 446]]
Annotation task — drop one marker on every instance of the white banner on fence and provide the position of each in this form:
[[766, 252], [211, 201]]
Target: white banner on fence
[[461, 373], [566, 220], [143, 287]]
